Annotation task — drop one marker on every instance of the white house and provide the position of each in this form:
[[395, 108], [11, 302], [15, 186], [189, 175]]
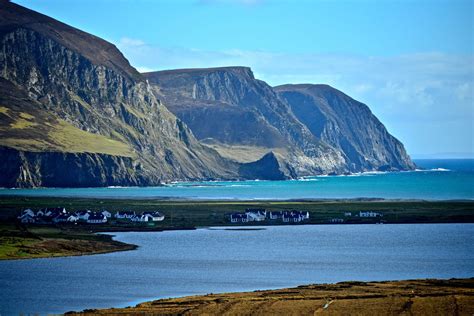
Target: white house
[[106, 214], [142, 218], [304, 215], [295, 216], [275, 215], [125, 214], [255, 216], [27, 218], [61, 218], [53, 212], [83, 215], [369, 214], [155, 216], [97, 219], [347, 214], [238, 217], [72, 219], [27, 211]]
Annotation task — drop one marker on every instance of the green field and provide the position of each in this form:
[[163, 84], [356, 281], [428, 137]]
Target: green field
[[207, 213], [26, 241]]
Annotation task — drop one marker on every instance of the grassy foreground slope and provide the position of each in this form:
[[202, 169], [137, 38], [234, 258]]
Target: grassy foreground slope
[[19, 242], [415, 297]]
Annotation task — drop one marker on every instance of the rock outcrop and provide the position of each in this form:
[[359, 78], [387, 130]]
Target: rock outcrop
[[229, 106], [346, 125], [314, 129]]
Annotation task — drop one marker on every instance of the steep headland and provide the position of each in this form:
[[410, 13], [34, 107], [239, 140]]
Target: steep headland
[[231, 111], [346, 125]]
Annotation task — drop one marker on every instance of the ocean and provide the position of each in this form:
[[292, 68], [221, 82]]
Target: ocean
[[440, 179]]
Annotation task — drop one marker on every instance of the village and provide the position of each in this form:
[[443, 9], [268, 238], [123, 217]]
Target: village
[[259, 215], [59, 215], [295, 216]]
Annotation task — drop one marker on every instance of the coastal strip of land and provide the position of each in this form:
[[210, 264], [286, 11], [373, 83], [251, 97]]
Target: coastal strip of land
[[412, 297], [22, 241]]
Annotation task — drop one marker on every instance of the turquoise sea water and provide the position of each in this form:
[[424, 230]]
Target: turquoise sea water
[[434, 180], [216, 260]]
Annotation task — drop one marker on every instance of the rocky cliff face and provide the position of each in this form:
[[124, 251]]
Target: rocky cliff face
[[73, 112], [229, 106], [87, 83], [59, 169], [346, 125], [313, 128]]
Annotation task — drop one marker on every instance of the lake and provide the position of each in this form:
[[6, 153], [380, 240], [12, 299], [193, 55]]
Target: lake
[[179, 263], [438, 180]]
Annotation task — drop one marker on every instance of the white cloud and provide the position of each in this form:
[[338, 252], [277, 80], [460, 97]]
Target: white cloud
[[406, 92]]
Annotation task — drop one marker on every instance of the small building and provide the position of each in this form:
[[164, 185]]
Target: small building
[[256, 216], [336, 220], [292, 218], [27, 211], [61, 218], [27, 218], [238, 217], [125, 214], [347, 214], [155, 216], [369, 214], [304, 214], [142, 218], [97, 218], [83, 215], [106, 213], [72, 219], [275, 215], [54, 211], [295, 216]]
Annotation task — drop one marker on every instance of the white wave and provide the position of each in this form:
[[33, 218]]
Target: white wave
[[307, 179], [433, 170]]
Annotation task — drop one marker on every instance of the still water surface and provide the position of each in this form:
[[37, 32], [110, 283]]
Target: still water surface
[[178, 263]]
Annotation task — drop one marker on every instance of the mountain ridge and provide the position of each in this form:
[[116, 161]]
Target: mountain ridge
[[71, 101], [232, 94]]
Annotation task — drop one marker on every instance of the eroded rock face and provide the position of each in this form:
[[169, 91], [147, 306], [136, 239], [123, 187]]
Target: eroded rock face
[[346, 125], [230, 106], [56, 169], [86, 82]]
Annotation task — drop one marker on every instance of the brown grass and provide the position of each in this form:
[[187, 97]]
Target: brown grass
[[415, 297]]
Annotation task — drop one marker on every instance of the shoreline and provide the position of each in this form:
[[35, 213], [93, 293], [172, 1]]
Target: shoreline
[[416, 297]]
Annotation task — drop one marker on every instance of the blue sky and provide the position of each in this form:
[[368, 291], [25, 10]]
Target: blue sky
[[411, 61]]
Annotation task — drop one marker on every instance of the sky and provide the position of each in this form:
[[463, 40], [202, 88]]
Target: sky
[[410, 61]]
